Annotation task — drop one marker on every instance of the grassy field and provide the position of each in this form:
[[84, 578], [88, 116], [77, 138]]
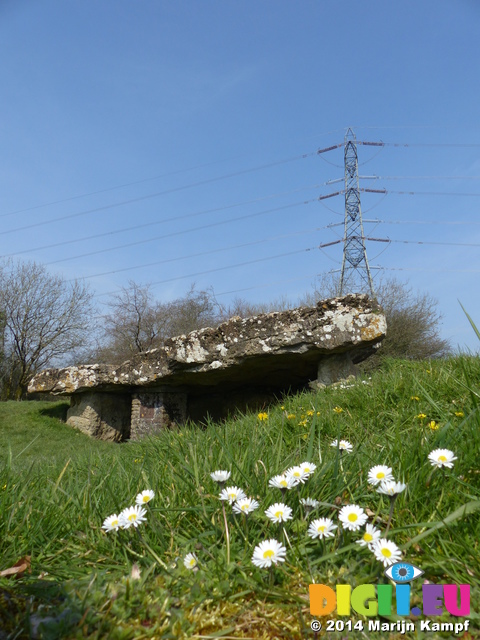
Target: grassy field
[[57, 487]]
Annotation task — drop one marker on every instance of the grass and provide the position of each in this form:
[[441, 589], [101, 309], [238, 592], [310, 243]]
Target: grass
[[57, 486]]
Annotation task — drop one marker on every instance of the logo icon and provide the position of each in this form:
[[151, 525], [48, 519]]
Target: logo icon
[[402, 572]]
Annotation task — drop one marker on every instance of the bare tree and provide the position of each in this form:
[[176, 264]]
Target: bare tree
[[44, 319], [138, 322]]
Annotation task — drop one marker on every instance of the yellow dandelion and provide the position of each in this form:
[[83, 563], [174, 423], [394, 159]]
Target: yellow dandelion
[[459, 414], [414, 398], [291, 416], [433, 425], [263, 416], [338, 409], [421, 416], [310, 413]]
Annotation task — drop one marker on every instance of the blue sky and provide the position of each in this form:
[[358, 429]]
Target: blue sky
[[189, 131]]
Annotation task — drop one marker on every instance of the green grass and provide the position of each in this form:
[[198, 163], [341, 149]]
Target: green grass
[[57, 486]]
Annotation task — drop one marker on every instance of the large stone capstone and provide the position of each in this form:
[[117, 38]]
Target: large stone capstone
[[242, 363]]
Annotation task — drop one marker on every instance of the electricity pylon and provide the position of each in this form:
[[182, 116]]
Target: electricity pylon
[[355, 276]]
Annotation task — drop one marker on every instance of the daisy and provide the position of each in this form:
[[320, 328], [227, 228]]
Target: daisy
[[308, 468], [371, 535], [391, 488], [279, 512], [442, 458], [268, 552], [112, 523], [321, 528], [232, 494], [344, 445], [379, 473], [387, 552], [132, 516], [145, 496], [245, 505], [220, 476], [282, 482], [297, 473], [309, 503], [352, 517], [190, 561]]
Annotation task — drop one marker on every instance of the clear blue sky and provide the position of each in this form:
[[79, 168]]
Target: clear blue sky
[[199, 103]]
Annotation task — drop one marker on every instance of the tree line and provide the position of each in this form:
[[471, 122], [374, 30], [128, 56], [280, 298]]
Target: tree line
[[47, 321]]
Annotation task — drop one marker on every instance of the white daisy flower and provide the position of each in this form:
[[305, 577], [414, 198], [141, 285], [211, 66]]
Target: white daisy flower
[[308, 467], [232, 494], [442, 458], [387, 552], [344, 445], [132, 516], [309, 503], [297, 473], [279, 512], [112, 523], [145, 497], [220, 476], [379, 473], [321, 528], [245, 505], [352, 517], [283, 482], [190, 561], [371, 535], [268, 552], [391, 488]]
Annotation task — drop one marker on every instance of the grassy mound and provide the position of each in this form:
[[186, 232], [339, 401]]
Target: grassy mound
[[57, 487]]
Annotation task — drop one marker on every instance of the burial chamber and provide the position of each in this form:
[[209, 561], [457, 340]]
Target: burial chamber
[[241, 364]]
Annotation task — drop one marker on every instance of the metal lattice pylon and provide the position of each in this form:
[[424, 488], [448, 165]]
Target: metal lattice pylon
[[355, 277]]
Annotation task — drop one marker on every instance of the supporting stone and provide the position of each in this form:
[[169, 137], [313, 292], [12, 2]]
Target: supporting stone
[[335, 367], [105, 416], [155, 411]]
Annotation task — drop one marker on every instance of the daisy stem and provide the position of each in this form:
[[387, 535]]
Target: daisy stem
[[271, 575], [152, 552], [227, 534], [434, 511], [390, 515]]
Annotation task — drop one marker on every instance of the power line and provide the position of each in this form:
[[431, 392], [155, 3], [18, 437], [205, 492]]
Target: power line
[[178, 233], [203, 253], [389, 240], [154, 195], [158, 222], [224, 268]]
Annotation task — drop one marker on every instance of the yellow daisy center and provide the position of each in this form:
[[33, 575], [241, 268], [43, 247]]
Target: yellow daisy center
[[146, 498], [367, 537], [380, 475], [352, 517], [278, 514], [132, 517], [322, 528], [268, 553], [306, 469], [442, 458], [296, 474], [114, 523], [192, 562], [244, 507], [386, 552], [232, 495], [284, 483]]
